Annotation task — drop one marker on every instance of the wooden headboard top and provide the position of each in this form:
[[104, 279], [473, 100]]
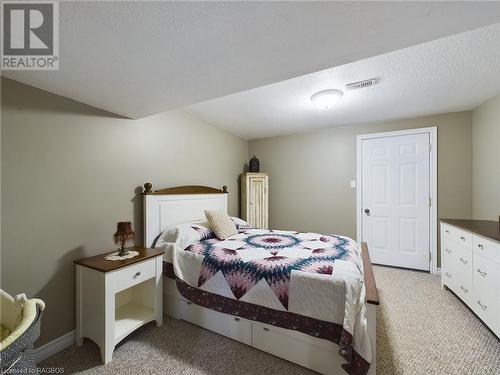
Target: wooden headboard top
[[177, 205], [188, 189]]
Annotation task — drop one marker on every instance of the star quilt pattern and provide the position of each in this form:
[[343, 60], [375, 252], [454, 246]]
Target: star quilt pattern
[[255, 254]]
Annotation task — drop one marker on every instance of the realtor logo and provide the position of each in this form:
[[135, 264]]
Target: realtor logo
[[30, 35]]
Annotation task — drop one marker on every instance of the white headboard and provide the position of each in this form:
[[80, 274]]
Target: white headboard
[[178, 205]]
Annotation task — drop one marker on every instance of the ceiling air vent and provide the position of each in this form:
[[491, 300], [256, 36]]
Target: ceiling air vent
[[361, 84]]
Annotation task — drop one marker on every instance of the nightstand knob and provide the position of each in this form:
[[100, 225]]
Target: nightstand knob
[[137, 274]]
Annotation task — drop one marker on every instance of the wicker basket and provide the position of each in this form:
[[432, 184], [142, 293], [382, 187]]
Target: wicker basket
[[18, 357]]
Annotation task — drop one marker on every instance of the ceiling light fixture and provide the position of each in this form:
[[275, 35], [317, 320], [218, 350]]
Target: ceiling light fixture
[[326, 99]]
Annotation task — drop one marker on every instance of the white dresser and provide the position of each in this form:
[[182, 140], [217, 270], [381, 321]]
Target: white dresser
[[470, 266]]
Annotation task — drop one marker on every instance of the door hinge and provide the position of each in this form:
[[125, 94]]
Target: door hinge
[[430, 202], [430, 147], [430, 256]]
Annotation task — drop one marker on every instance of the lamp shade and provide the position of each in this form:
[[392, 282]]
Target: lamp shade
[[124, 232]]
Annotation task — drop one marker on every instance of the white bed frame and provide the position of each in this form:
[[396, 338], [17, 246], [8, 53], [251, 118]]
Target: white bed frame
[[187, 204]]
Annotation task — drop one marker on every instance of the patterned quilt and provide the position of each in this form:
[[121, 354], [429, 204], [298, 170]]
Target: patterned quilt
[[310, 274], [254, 255]]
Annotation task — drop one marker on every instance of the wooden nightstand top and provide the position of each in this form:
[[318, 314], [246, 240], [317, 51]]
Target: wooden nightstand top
[[99, 263]]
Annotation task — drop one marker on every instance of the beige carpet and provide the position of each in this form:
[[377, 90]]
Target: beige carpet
[[422, 329]]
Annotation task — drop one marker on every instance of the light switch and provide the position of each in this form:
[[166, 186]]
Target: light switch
[[353, 184]]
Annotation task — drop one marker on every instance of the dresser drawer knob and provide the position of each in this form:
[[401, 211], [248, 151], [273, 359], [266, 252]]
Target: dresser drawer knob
[[463, 261], [464, 289], [448, 274], [137, 274], [462, 238], [237, 319], [480, 246], [484, 307], [447, 231], [483, 274], [448, 251], [266, 329]]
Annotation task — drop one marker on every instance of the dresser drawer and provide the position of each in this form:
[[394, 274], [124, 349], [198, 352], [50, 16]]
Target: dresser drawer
[[486, 280], [448, 257], [446, 233], [458, 236], [448, 253], [486, 248], [448, 278], [463, 261], [485, 275], [126, 277], [487, 310], [461, 276], [464, 291]]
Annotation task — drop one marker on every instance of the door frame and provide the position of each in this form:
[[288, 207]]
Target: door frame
[[433, 230]]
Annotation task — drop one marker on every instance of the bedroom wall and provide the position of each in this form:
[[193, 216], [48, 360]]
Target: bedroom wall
[[486, 160], [310, 173], [70, 172]]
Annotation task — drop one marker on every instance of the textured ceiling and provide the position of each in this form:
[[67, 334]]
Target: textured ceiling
[[446, 75], [141, 58]]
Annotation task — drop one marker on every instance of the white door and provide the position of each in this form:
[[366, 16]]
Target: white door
[[395, 199]]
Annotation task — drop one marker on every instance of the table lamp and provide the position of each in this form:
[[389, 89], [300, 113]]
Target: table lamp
[[124, 233]]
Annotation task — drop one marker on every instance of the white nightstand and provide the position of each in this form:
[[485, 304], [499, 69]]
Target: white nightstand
[[114, 298]]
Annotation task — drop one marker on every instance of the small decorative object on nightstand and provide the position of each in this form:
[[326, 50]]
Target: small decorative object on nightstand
[[115, 298], [124, 233]]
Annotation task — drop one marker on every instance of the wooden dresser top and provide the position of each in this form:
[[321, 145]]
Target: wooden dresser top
[[485, 228], [99, 263]]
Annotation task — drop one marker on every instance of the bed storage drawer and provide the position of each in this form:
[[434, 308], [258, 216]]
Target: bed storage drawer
[[311, 352], [230, 326]]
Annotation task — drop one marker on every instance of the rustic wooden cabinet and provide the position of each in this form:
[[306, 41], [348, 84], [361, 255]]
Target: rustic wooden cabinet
[[255, 199]]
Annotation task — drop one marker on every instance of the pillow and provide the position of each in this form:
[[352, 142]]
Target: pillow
[[221, 224], [184, 235], [240, 223]]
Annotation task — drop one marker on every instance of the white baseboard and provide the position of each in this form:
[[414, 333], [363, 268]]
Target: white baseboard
[[54, 346]]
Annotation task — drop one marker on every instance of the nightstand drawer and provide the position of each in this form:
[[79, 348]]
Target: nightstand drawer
[[126, 277]]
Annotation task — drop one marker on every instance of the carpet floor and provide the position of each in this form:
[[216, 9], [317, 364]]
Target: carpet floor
[[421, 329]]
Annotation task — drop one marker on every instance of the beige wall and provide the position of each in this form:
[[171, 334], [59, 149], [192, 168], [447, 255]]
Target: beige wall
[[70, 172], [310, 173], [486, 160]]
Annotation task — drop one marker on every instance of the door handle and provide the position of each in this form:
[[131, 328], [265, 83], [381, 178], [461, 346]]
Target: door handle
[[367, 211]]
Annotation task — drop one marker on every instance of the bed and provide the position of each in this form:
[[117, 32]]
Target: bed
[[314, 306]]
